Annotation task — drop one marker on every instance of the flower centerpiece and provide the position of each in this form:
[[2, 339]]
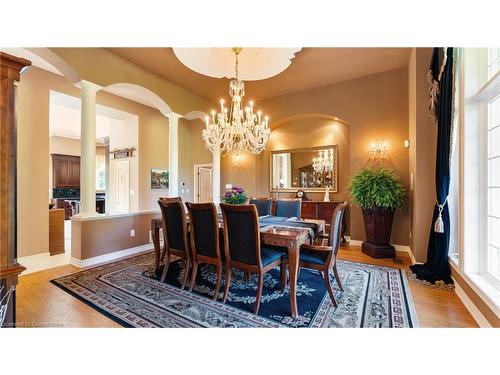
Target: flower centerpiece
[[235, 195]]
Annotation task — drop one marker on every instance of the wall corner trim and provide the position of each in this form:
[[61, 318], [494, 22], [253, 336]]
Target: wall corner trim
[[471, 307]]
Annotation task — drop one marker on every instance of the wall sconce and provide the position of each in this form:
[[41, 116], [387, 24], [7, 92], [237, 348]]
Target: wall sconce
[[407, 143], [237, 157], [378, 150]]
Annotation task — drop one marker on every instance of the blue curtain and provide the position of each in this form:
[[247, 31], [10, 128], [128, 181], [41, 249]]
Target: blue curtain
[[441, 106]]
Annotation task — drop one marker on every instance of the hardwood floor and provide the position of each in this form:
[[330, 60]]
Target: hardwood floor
[[40, 303]]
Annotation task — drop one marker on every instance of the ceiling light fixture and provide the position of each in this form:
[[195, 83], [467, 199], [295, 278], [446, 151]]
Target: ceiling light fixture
[[237, 129]]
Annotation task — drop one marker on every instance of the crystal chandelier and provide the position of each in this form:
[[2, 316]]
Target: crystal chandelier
[[324, 162], [237, 129]]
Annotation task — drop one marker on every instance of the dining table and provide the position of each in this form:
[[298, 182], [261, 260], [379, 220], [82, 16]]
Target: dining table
[[275, 231]]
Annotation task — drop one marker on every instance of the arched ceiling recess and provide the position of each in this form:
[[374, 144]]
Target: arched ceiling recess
[[57, 63], [193, 115], [139, 94], [104, 68], [45, 59], [302, 116]]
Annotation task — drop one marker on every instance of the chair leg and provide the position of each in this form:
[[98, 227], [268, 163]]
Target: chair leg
[[259, 294], [283, 274], [337, 277], [217, 285], [326, 276], [165, 270], [193, 275], [228, 282], [246, 276], [186, 272]]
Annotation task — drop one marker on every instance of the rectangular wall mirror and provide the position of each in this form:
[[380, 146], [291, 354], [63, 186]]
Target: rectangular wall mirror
[[309, 169]]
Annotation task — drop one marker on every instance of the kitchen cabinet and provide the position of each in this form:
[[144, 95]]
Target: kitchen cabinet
[[65, 171]]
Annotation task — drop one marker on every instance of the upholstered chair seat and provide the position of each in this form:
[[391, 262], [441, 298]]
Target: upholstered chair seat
[[313, 257], [269, 255]]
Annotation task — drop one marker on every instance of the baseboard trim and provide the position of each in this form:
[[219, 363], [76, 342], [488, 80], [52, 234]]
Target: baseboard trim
[[471, 307], [110, 257], [402, 249], [42, 261]]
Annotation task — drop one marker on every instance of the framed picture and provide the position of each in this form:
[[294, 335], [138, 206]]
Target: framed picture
[[159, 179]]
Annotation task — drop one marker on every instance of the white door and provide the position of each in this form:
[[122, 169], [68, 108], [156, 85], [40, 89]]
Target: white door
[[122, 186], [204, 185]]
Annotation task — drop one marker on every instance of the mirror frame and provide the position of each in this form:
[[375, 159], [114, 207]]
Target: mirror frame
[[335, 180]]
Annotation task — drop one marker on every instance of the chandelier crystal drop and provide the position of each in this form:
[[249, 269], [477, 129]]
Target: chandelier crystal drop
[[237, 129], [324, 162]]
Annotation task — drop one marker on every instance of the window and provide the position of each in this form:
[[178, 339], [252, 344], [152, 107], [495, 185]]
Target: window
[[493, 187], [493, 61], [478, 171]]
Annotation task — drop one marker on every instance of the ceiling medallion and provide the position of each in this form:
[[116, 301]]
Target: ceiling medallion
[[236, 130], [257, 63]]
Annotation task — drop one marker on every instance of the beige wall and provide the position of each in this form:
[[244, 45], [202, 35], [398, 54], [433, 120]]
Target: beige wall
[[375, 107], [33, 151], [423, 138], [92, 238], [192, 151]]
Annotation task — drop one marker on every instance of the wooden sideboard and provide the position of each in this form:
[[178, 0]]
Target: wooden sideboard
[[323, 211], [65, 171]]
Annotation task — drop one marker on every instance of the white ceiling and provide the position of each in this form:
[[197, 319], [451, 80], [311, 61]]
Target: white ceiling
[[65, 117]]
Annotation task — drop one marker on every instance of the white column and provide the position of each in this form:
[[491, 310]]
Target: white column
[[216, 177], [173, 153], [88, 92]]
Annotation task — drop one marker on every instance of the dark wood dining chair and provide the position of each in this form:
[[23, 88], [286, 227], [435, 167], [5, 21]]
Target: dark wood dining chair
[[243, 249], [264, 205], [167, 199], [288, 207], [175, 235], [205, 240], [322, 258]]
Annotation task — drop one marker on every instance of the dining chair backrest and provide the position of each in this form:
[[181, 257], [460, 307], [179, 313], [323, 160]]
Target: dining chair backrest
[[336, 227], [174, 223], [170, 199], [264, 205], [288, 207], [241, 233], [204, 228]]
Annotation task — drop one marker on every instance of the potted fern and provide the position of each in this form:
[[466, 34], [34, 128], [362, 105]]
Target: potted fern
[[379, 192]]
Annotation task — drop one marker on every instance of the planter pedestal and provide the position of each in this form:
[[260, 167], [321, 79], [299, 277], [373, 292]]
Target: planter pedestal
[[378, 251], [378, 226]]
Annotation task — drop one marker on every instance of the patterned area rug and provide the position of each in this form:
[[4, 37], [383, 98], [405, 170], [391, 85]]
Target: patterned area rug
[[131, 294]]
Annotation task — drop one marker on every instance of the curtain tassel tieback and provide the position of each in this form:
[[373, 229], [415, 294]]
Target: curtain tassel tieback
[[439, 224]]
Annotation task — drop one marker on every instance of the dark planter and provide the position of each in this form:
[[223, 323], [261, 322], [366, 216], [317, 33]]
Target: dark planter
[[378, 227]]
